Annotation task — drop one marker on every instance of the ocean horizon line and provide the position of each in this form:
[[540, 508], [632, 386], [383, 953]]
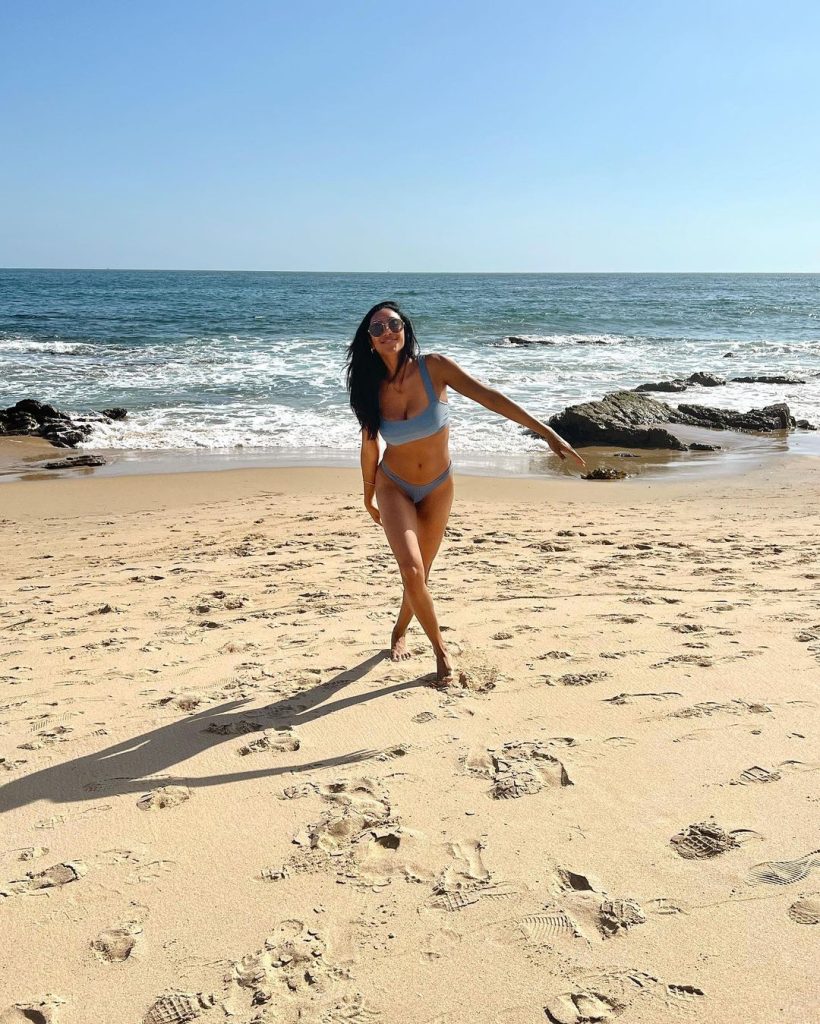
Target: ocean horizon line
[[427, 273]]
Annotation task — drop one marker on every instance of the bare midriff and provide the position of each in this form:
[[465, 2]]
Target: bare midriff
[[419, 462]]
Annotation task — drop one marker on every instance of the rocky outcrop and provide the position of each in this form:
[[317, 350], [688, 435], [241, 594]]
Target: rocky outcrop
[[38, 419], [621, 418], [771, 417], [713, 380], [663, 385], [769, 378], [75, 462], [625, 418], [706, 380]]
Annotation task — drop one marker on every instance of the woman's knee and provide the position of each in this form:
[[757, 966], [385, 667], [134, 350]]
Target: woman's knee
[[412, 572]]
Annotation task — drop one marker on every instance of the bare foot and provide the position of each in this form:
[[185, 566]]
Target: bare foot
[[444, 671], [398, 648]]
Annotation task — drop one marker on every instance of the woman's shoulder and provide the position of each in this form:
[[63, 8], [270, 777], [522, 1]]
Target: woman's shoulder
[[438, 363]]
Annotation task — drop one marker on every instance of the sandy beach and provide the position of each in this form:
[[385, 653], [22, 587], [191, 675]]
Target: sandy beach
[[223, 802]]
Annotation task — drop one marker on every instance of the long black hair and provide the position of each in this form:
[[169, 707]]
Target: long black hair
[[366, 371]]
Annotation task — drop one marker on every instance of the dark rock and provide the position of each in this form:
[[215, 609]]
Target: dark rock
[[728, 355], [699, 446], [625, 455], [602, 473], [663, 385], [765, 378], [39, 410], [631, 420], [117, 413], [14, 422], [706, 380], [73, 461], [771, 417], [513, 340], [619, 418], [64, 433], [32, 418], [805, 425]]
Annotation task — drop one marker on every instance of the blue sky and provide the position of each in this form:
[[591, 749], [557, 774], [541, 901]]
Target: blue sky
[[364, 136]]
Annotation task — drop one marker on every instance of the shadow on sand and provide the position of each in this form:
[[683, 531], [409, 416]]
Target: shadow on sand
[[141, 762]]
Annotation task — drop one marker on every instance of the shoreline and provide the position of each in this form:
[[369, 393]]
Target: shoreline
[[21, 459], [86, 492]]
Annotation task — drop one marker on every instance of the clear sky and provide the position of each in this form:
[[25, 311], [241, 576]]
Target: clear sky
[[496, 135]]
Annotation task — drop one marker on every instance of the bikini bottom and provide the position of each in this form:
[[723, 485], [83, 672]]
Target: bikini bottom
[[415, 492]]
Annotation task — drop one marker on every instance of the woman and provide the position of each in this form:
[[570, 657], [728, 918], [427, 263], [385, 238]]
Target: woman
[[399, 393]]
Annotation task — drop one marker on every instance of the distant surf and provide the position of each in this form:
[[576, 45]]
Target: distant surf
[[254, 361]]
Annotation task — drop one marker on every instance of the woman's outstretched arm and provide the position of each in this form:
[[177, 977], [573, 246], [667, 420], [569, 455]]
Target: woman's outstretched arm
[[464, 384]]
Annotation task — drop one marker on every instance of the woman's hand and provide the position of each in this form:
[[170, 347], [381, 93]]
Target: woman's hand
[[373, 509], [561, 448]]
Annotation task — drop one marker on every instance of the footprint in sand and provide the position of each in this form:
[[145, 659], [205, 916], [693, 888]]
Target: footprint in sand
[[548, 927], [442, 944], [178, 1008], [165, 796], [708, 708], [271, 743], [466, 897], [294, 972], [583, 1007], [47, 738], [806, 910], [32, 1013], [755, 775], [700, 660], [784, 872], [703, 840], [618, 916], [239, 727], [466, 880], [583, 912], [576, 678], [52, 878], [114, 945], [359, 806], [606, 996], [519, 768], [574, 881]]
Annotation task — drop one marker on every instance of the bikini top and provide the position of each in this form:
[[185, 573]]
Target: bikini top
[[428, 422]]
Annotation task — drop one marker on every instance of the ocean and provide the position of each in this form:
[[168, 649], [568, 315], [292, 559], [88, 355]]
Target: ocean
[[232, 363]]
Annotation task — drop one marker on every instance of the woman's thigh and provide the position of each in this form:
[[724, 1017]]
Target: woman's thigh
[[433, 513], [400, 524]]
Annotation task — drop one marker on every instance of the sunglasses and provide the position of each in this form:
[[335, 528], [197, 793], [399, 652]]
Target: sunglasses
[[378, 327]]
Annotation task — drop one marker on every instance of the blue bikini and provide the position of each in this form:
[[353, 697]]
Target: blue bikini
[[428, 422]]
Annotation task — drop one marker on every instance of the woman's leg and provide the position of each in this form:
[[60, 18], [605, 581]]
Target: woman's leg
[[432, 513], [400, 521]]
